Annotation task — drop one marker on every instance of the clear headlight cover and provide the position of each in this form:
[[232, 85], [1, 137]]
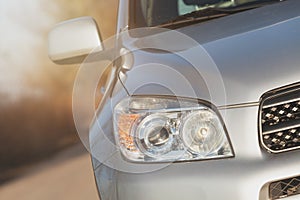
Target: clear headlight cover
[[167, 129]]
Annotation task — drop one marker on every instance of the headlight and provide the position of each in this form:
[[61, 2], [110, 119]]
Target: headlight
[[166, 129]]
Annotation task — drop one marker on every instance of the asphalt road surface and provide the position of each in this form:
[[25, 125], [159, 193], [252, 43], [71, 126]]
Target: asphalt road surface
[[67, 176]]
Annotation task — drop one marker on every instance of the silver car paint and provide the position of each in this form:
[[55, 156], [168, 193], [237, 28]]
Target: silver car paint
[[252, 60], [259, 55]]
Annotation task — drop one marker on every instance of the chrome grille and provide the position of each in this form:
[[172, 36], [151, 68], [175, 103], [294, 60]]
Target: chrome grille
[[276, 114], [280, 120], [284, 188]]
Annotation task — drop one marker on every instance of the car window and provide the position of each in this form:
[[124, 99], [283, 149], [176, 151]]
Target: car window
[[149, 13], [184, 9]]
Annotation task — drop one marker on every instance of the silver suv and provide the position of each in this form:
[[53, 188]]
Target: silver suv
[[202, 99]]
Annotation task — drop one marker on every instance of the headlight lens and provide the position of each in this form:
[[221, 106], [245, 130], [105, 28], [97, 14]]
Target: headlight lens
[[167, 129], [202, 132]]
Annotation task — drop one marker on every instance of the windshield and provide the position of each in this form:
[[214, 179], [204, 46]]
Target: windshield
[[149, 13]]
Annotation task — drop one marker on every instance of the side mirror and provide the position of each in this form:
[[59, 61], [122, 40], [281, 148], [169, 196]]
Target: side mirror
[[71, 41]]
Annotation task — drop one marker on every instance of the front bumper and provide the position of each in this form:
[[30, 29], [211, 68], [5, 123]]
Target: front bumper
[[244, 177]]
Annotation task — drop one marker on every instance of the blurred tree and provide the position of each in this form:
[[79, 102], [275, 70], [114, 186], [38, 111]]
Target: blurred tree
[[50, 78], [105, 12], [40, 123]]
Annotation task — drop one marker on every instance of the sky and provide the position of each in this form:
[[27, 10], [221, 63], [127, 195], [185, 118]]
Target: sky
[[23, 36], [23, 25]]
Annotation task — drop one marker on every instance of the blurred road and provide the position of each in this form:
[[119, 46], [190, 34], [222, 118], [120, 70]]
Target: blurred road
[[67, 176]]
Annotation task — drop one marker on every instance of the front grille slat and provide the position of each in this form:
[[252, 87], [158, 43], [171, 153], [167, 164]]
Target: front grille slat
[[280, 120], [283, 139], [278, 127], [281, 113], [280, 103]]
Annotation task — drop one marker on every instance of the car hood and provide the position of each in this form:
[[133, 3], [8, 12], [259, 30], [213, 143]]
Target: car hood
[[254, 51]]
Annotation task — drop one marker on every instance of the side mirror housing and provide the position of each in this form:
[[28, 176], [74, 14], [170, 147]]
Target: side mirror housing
[[71, 41]]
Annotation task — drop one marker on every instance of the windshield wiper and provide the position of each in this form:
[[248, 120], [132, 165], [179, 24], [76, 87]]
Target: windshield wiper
[[196, 16], [213, 13], [251, 5]]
